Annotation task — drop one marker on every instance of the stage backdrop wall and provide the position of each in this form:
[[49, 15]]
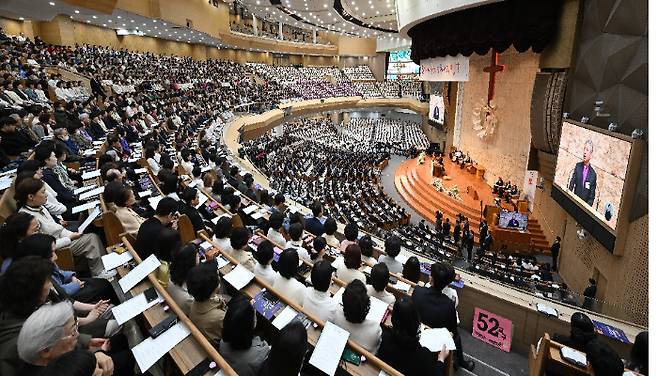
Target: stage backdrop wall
[[505, 153]]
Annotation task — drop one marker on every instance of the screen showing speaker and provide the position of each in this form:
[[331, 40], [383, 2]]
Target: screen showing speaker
[[591, 170], [437, 109], [513, 220]]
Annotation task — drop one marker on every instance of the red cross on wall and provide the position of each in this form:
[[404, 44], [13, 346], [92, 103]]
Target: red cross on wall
[[492, 70]]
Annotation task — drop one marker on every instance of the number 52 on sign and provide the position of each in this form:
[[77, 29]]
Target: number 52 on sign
[[492, 329]]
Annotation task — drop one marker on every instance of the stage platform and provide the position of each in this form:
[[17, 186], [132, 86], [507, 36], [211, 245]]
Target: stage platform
[[414, 183]]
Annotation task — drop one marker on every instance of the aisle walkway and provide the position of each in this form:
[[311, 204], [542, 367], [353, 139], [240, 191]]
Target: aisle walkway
[[388, 181], [490, 361]]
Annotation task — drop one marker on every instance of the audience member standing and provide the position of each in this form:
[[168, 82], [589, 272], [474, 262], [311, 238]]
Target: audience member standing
[[401, 348], [555, 252], [590, 295], [437, 310], [446, 228]]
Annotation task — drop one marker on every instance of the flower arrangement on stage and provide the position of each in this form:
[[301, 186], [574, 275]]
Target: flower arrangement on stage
[[452, 191], [421, 158], [485, 119]]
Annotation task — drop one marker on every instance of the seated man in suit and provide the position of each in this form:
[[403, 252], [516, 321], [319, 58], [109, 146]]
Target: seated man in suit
[[437, 310], [314, 225], [583, 178], [499, 183], [13, 141], [166, 214]]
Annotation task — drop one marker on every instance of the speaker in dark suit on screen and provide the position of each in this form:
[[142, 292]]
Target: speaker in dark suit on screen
[[583, 178]]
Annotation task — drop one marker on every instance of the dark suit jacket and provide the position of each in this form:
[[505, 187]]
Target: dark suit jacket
[[409, 359], [314, 226], [435, 309], [469, 241], [446, 229], [436, 113], [576, 186], [590, 295], [232, 181], [146, 245], [72, 149], [96, 131], [485, 243], [555, 249], [483, 232], [194, 215], [15, 143], [64, 195], [110, 123], [457, 232]]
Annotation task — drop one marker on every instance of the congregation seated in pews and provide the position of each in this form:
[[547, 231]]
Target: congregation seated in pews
[[306, 170], [358, 73], [146, 151]]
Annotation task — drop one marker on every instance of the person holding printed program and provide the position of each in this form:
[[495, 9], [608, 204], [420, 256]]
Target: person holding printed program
[[583, 178]]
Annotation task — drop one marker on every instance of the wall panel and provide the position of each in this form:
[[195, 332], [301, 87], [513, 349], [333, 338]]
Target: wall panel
[[14, 27], [505, 153]]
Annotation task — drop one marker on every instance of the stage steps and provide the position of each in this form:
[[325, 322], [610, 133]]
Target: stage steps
[[424, 199]]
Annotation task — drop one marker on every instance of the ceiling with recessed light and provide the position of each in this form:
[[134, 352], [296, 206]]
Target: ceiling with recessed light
[[120, 20], [363, 18]]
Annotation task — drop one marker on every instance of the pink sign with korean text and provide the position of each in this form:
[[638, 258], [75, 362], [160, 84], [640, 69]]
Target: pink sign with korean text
[[492, 329]]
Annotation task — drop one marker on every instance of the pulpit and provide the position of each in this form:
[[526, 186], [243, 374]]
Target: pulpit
[[512, 240], [522, 205], [438, 171], [479, 172]]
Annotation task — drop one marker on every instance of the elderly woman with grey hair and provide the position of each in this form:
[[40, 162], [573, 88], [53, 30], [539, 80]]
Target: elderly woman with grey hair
[[50, 332]]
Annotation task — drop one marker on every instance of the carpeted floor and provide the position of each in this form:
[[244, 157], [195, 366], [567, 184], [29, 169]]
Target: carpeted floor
[[490, 361], [388, 181]]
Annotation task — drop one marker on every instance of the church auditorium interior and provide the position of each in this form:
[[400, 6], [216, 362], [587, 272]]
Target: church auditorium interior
[[368, 187]]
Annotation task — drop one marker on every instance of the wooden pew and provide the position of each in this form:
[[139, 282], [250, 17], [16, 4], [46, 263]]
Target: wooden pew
[[546, 354], [372, 366], [112, 226], [186, 229], [193, 349]]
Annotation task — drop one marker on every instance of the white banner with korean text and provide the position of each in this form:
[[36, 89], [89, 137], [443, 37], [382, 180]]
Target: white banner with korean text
[[446, 68]]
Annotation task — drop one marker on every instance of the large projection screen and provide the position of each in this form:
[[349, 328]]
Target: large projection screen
[[591, 171]]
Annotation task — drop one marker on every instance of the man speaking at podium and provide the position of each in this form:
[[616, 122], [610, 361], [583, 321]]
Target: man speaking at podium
[[583, 179]]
